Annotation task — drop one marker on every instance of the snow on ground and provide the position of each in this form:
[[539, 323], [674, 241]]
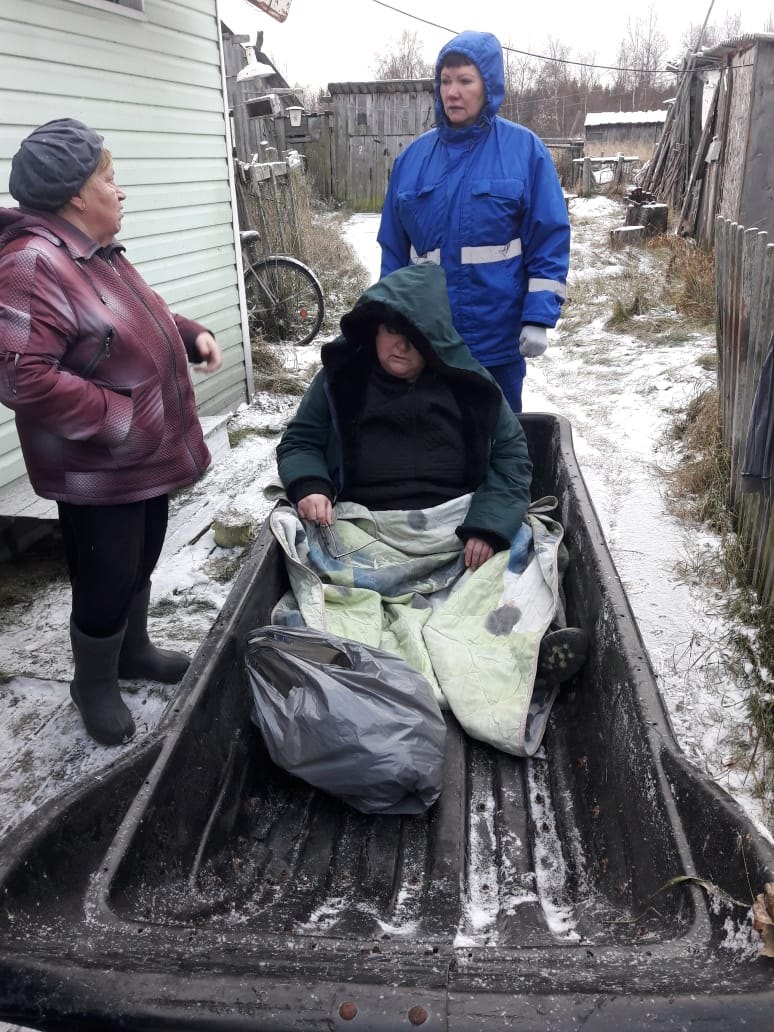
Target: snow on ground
[[618, 394]]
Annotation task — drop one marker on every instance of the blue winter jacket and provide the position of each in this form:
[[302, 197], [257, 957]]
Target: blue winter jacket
[[485, 203]]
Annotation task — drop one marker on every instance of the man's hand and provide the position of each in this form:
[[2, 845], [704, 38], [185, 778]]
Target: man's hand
[[317, 508], [477, 552], [533, 341], [210, 355]]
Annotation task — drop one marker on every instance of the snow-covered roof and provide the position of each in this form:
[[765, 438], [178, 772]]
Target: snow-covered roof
[[735, 44], [624, 117]]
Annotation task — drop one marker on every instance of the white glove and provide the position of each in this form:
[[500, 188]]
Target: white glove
[[533, 341]]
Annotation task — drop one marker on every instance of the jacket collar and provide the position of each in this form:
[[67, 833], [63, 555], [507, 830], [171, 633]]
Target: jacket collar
[[15, 222]]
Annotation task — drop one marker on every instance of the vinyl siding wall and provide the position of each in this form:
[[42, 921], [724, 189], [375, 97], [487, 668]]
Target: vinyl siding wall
[[151, 84]]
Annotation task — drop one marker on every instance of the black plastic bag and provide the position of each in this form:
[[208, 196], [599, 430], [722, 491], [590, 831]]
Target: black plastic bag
[[357, 722]]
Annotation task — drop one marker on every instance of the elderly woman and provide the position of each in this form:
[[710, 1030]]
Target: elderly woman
[[94, 366], [479, 195], [403, 417]]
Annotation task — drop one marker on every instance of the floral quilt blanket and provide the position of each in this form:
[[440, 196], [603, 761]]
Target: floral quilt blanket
[[396, 580]]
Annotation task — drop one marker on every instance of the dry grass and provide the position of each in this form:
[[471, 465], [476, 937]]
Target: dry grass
[[632, 295], [702, 478], [270, 371], [626, 306], [235, 437], [682, 281], [701, 485], [689, 282], [754, 659], [321, 245]]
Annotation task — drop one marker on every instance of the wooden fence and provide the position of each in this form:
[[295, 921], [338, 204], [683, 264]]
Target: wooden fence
[[744, 274]]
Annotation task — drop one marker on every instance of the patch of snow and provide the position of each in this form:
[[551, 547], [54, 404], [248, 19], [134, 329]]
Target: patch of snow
[[625, 117], [360, 231], [550, 869]]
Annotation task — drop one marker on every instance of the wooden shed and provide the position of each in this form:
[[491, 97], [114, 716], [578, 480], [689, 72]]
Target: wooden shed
[[715, 154], [628, 132], [373, 122], [148, 75]]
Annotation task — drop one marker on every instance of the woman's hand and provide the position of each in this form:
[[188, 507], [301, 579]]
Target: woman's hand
[[317, 508], [210, 355], [477, 552]]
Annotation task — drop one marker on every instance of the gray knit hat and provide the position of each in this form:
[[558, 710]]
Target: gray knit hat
[[53, 163]]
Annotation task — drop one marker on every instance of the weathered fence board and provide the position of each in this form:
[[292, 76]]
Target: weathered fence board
[[744, 274], [267, 200]]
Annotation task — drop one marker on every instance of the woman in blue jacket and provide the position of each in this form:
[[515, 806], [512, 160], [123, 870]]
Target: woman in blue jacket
[[480, 196]]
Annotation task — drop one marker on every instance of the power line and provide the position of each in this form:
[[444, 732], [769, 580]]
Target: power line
[[528, 53]]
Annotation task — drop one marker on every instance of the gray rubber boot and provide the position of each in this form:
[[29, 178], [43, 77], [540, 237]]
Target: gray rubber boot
[[94, 688], [139, 657]]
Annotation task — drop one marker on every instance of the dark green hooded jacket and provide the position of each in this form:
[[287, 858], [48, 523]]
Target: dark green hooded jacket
[[312, 456]]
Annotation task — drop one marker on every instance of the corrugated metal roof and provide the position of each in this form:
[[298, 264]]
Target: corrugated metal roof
[[625, 117], [736, 43]]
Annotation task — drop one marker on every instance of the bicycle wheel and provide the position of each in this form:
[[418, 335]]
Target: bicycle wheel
[[284, 301]]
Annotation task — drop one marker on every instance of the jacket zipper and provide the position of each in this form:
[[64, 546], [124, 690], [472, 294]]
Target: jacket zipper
[[12, 361], [104, 350]]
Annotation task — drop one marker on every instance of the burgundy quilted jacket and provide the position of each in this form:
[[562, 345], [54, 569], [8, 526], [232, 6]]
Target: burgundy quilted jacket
[[95, 367]]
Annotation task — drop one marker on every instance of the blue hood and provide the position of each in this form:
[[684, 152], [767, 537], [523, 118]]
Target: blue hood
[[484, 51]]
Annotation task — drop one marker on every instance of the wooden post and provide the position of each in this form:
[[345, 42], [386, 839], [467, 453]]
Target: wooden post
[[277, 209], [618, 174], [587, 180]]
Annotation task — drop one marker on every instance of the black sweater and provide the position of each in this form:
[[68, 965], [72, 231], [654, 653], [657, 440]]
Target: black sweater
[[409, 449]]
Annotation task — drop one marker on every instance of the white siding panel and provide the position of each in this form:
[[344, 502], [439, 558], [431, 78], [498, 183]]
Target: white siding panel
[[108, 59], [202, 307], [194, 38], [6, 417], [157, 199], [11, 464], [153, 88], [35, 108], [168, 270], [151, 172], [155, 147], [223, 326], [147, 249], [147, 223], [110, 85]]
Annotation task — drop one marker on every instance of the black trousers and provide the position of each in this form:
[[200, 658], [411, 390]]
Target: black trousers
[[111, 551]]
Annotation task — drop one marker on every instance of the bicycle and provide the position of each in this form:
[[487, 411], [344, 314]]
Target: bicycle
[[284, 298]]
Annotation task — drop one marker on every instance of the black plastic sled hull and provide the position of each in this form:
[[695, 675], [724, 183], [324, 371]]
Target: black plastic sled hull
[[196, 886]]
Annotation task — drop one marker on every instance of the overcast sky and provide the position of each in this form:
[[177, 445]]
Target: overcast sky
[[324, 41]]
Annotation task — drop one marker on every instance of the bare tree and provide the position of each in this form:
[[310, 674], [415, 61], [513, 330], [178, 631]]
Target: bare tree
[[641, 54], [403, 59], [554, 83], [519, 79], [715, 32]]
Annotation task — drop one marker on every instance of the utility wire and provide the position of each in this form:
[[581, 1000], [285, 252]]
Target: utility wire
[[539, 57]]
